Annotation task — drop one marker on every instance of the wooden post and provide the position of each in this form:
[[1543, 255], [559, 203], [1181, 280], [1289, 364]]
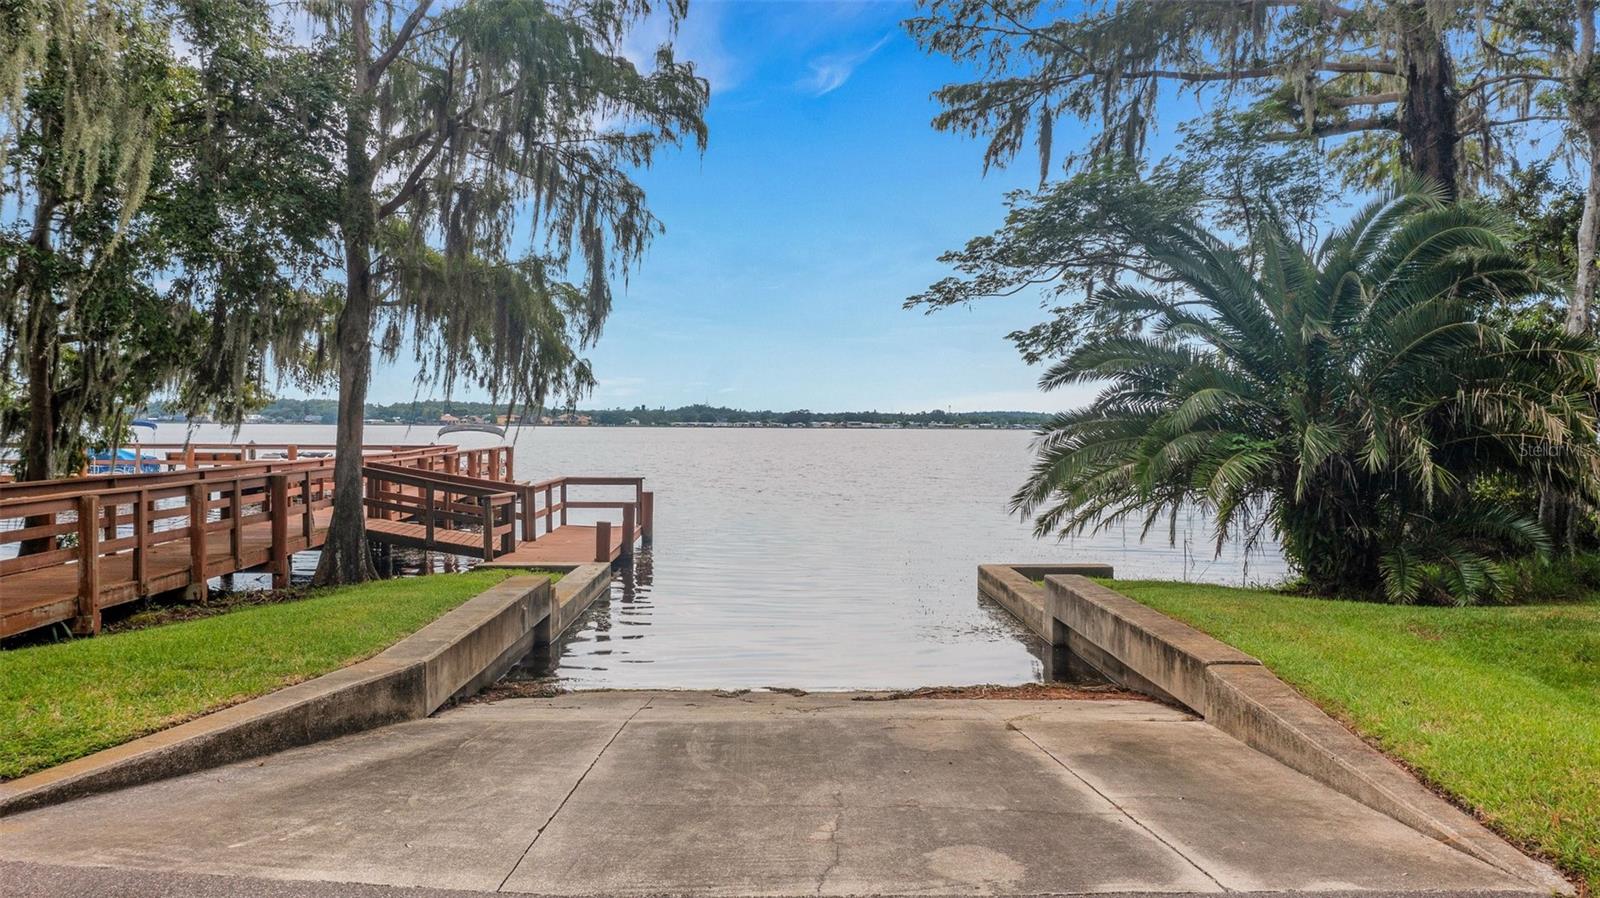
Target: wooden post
[[647, 518], [627, 530], [508, 540], [197, 541], [278, 486], [509, 453], [488, 527], [88, 611], [112, 519], [427, 514], [141, 550], [188, 457], [602, 542], [292, 451], [307, 523], [530, 523], [236, 533], [549, 509], [563, 503], [472, 464]]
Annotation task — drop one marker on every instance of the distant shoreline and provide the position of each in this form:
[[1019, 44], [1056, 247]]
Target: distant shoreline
[[441, 413], [598, 426]]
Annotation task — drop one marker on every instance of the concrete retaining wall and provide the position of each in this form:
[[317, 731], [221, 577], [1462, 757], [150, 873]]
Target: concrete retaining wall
[[579, 588], [467, 648], [1012, 586], [1141, 648]]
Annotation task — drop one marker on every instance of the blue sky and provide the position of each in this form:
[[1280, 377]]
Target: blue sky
[[823, 200]]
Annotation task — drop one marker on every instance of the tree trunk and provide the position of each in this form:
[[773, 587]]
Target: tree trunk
[[1428, 106], [31, 286], [38, 457], [344, 554], [39, 439], [1585, 112], [1579, 316]]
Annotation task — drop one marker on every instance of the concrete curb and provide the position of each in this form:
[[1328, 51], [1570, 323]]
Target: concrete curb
[[464, 650], [1141, 648], [1011, 586]]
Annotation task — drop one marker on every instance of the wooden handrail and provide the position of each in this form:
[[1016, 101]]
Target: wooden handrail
[[100, 482], [131, 517]]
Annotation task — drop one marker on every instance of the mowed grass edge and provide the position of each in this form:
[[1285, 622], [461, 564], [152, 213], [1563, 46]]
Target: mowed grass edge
[[66, 700], [1497, 706]]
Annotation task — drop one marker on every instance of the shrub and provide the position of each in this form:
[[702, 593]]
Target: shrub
[[1345, 399]]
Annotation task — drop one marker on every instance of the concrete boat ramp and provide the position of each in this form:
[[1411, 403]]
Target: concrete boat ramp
[[652, 793]]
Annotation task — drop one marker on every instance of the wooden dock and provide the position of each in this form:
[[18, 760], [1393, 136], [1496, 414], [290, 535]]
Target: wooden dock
[[103, 540]]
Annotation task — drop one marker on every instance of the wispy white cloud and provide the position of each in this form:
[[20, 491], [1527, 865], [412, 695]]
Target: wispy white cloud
[[830, 72], [698, 38]]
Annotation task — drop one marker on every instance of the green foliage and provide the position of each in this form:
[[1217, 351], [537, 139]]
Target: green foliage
[[1499, 707], [88, 90], [67, 700], [1083, 232], [1559, 578], [249, 200], [169, 216], [1346, 400], [485, 112]]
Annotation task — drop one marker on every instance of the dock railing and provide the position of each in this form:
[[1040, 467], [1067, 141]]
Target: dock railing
[[116, 536], [442, 503], [550, 500], [100, 540], [110, 538]]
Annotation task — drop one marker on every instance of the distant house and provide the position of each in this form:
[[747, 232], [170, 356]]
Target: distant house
[[449, 419], [312, 419]]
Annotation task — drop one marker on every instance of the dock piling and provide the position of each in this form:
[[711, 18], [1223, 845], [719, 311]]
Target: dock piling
[[647, 517], [602, 542], [627, 531]]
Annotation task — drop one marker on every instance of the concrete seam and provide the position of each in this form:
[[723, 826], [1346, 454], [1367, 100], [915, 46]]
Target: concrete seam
[[570, 792], [1123, 811]]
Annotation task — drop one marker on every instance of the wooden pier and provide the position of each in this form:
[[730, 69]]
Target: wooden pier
[[102, 540]]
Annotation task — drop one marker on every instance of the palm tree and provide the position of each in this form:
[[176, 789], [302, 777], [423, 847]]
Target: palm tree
[[1352, 400]]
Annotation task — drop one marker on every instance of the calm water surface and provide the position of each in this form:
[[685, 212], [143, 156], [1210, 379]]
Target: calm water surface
[[819, 559]]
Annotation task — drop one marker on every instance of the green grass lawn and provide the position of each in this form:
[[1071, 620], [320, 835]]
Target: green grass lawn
[[67, 700], [1499, 706]]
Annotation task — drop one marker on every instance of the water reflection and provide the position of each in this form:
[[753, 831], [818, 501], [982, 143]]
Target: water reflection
[[814, 559]]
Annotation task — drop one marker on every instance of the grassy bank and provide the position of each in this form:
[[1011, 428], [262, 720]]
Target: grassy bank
[[64, 701], [1498, 706]]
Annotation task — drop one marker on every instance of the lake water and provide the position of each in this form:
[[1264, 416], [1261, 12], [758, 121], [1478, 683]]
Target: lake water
[[817, 559]]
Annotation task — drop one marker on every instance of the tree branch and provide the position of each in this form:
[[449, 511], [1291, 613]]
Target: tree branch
[[1368, 100], [1351, 126], [1372, 67], [375, 70], [413, 181]]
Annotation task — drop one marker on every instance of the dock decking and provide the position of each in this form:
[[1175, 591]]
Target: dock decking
[[101, 541]]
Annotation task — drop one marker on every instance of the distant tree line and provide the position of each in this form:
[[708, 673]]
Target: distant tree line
[[326, 411]]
